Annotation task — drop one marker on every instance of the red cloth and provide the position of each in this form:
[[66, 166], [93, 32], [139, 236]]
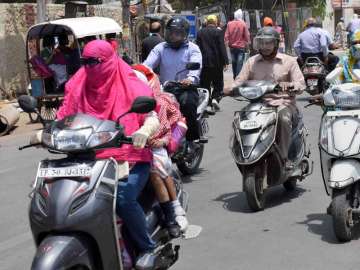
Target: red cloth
[[237, 34], [168, 109], [106, 91]]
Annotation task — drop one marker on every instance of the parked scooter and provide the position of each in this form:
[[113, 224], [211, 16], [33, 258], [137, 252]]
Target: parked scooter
[[254, 148], [339, 145], [314, 72], [72, 211], [188, 163]]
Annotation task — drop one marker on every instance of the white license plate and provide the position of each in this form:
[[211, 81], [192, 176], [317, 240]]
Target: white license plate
[[312, 82], [249, 125], [77, 171]]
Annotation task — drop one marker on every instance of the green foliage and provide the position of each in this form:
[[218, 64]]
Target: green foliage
[[318, 7]]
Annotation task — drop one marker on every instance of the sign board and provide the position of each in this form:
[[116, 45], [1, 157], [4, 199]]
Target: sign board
[[192, 20]]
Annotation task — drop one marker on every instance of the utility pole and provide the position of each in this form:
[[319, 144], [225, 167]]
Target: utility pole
[[126, 36], [40, 11]]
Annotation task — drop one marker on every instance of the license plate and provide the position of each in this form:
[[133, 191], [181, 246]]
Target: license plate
[[312, 82], [77, 171], [249, 124]]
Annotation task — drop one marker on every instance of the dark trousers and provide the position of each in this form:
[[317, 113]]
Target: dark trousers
[[189, 100], [213, 76]]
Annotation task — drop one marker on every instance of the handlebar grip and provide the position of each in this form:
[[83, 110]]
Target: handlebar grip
[[127, 140], [28, 146]]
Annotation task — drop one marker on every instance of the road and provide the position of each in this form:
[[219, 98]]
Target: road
[[292, 233]]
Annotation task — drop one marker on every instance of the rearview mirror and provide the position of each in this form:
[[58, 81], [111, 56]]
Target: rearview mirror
[[28, 103], [192, 66], [143, 104]]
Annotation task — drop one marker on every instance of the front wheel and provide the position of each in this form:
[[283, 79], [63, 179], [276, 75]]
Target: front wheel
[[342, 215], [192, 166], [254, 188]]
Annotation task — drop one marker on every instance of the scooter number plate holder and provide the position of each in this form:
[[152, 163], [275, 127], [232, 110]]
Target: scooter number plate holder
[[249, 125], [312, 82], [76, 171]]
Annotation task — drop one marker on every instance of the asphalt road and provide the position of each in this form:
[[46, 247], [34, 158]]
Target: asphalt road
[[293, 232]]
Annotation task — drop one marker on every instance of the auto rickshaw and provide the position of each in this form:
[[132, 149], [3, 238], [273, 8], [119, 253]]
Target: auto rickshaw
[[53, 56]]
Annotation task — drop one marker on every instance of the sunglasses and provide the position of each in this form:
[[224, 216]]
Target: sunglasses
[[89, 61]]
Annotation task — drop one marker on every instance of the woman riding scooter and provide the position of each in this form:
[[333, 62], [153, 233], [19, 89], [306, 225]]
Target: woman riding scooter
[[105, 87]]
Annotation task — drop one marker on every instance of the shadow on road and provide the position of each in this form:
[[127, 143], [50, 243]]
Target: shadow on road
[[321, 224], [186, 179], [236, 201]]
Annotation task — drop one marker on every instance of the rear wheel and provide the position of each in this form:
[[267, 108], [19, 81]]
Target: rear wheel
[[254, 187], [342, 215], [191, 167]]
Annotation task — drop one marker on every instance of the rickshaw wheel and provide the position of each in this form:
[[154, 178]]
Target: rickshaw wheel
[[49, 108]]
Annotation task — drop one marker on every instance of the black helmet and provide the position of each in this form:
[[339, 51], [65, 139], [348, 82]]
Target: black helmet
[[266, 40], [177, 31]]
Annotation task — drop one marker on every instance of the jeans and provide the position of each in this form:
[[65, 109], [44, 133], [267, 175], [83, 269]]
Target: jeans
[[237, 58], [128, 208]]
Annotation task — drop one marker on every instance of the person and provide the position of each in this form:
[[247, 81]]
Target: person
[[105, 87], [47, 52], [340, 33], [350, 61], [111, 38], [269, 22], [270, 65], [171, 57], [170, 116], [237, 38], [352, 26], [332, 59], [215, 60], [311, 42], [152, 40]]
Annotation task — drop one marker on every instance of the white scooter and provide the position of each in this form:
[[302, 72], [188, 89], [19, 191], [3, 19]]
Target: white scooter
[[339, 144]]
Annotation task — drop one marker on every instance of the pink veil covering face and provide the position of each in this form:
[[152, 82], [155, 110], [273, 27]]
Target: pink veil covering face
[[106, 91]]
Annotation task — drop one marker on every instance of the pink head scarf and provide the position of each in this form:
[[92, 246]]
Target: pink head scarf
[[105, 91]]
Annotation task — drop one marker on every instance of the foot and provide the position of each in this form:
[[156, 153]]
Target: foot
[[173, 229], [215, 105], [146, 260], [210, 110], [183, 222]]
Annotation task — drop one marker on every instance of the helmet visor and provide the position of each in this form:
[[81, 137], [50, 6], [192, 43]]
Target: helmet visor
[[175, 35], [264, 44]]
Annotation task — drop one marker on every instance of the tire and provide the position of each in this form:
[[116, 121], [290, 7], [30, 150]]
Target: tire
[[290, 184], [190, 168], [253, 187], [342, 215]]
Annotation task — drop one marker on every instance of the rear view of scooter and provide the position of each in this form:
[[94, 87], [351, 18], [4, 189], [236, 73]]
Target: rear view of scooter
[[254, 147], [314, 72]]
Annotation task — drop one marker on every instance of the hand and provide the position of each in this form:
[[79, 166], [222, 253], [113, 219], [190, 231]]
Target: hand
[[286, 86], [186, 82], [139, 139]]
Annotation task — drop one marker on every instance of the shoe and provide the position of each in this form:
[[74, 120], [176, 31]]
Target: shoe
[[183, 222], [146, 261], [210, 110], [328, 210], [173, 230], [289, 165], [215, 105]]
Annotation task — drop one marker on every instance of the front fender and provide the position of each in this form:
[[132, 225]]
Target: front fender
[[344, 172], [62, 252]]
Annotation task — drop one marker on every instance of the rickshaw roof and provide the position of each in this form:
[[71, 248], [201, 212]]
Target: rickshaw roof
[[80, 27]]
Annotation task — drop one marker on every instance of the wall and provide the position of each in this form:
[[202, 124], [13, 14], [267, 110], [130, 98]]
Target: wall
[[15, 19]]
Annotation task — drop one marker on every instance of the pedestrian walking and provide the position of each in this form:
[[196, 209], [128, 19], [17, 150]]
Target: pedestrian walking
[[211, 42], [237, 38], [340, 37], [151, 41]]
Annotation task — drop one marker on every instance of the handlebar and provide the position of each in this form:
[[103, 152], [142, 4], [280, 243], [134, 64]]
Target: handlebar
[[126, 140], [29, 145]]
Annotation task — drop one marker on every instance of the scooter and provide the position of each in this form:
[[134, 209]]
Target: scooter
[[72, 210], [314, 72], [339, 142], [254, 148], [188, 164]]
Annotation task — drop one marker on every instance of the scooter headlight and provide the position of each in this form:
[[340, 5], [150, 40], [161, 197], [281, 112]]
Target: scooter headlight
[[251, 92], [70, 140], [100, 138]]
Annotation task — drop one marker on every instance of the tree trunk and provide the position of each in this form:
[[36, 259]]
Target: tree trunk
[[41, 11], [126, 37]]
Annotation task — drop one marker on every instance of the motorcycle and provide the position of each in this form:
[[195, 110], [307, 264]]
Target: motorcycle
[[254, 148], [187, 163], [73, 199], [339, 142], [314, 72]]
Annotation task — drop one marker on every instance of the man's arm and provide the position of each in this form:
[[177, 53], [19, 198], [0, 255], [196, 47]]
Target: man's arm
[[324, 44], [223, 53], [296, 77], [154, 57], [297, 47], [195, 56], [226, 35]]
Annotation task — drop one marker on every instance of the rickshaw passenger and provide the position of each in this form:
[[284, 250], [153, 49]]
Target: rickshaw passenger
[[47, 52], [111, 38]]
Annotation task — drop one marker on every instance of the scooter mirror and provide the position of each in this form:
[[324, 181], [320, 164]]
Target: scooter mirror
[[192, 66], [143, 104], [28, 103]]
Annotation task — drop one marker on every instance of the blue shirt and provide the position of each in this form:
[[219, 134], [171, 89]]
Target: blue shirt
[[172, 61], [312, 40]]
